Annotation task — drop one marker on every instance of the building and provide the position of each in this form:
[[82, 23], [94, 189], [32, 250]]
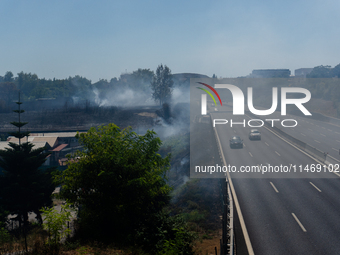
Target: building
[[302, 72], [59, 144], [270, 73]]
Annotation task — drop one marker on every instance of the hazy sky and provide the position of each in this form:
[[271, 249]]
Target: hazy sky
[[102, 39]]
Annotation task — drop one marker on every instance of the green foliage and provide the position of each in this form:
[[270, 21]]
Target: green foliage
[[181, 244], [4, 236], [162, 84], [194, 202], [139, 80], [178, 144], [164, 233], [24, 187], [56, 222], [118, 180]]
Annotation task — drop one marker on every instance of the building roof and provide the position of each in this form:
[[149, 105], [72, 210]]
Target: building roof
[[60, 147], [51, 140], [37, 145], [58, 134]]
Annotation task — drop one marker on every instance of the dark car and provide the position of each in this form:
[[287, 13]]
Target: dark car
[[254, 134], [236, 142]]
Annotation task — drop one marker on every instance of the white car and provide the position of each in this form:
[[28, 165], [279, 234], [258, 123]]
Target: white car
[[254, 135]]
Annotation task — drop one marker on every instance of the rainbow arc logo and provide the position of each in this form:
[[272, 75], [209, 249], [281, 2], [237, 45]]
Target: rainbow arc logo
[[204, 97], [209, 93]]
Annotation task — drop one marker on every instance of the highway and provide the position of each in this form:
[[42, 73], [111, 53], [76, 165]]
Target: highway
[[288, 213], [322, 135]]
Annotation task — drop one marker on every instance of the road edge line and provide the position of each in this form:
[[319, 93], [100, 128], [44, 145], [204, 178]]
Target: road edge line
[[237, 205]]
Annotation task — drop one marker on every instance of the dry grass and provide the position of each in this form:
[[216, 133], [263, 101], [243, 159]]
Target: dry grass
[[207, 246]]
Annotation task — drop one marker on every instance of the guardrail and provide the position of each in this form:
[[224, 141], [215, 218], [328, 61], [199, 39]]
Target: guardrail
[[227, 242]]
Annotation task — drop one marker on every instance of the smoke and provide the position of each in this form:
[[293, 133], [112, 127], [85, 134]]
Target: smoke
[[180, 95], [124, 98]]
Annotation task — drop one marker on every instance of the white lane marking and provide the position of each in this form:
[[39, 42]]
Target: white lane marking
[[277, 153], [266, 143], [322, 134], [330, 130], [338, 141], [323, 127], [303, 134], [335, 149], [250, 154], [315, 186], [337, 133], [300, 224], [316, 141], [274, 187], [310, 129]]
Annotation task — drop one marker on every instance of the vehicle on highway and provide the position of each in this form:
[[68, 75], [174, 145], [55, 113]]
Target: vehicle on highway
[[236, 142], [254, 135]]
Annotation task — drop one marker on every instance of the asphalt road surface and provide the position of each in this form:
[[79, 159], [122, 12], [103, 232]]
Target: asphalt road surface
[[285, 213]]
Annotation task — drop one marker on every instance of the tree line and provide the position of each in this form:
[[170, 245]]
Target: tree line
[[142, 81], [325, 72]]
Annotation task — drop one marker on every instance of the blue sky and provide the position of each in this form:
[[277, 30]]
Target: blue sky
[[102, 39]]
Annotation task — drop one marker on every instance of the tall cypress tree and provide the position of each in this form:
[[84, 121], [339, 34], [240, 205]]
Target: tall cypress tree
[[24, 188]]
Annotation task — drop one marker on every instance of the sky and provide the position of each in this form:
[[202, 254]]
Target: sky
[[103, 39]]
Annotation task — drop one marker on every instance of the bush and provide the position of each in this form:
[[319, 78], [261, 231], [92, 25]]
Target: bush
[[4, 236]]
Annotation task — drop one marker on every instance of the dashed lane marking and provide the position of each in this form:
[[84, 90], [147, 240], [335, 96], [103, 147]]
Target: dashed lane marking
[[300, 224], [315, 186], [274, 187]]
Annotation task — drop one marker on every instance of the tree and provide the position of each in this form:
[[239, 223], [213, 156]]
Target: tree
[[8, 76], [8, 91], [162, 84], [336, 71], [320, 72], [118, 181], [56, 223], [24, 187]]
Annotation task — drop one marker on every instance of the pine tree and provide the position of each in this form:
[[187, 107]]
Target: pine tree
[[24, 188]]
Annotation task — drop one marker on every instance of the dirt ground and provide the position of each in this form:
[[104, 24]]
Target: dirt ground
[[207, 246]]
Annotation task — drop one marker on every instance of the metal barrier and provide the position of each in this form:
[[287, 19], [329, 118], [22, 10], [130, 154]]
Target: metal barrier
[[227, 241]]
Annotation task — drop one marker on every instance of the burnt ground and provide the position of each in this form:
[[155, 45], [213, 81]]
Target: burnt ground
[[74, 119]]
